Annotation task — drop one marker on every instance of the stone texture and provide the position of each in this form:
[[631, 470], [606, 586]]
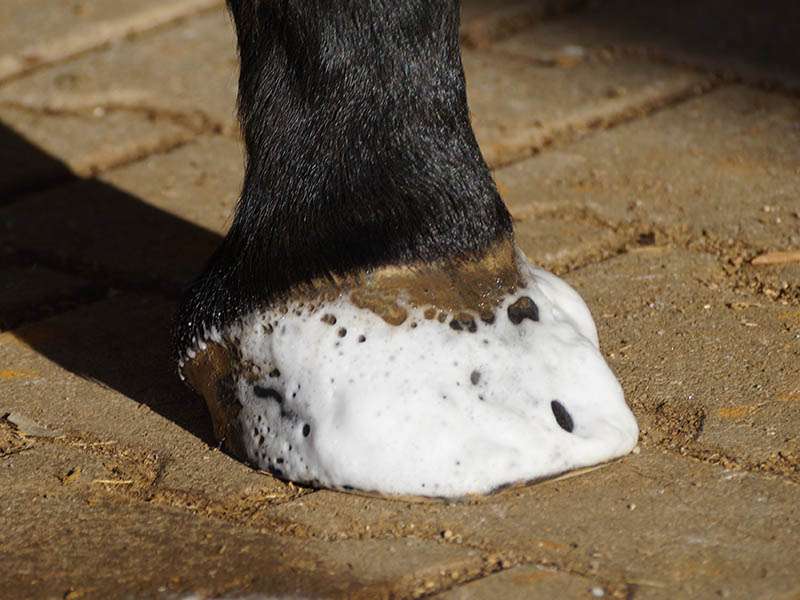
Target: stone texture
[[712, 372], [509, 92], [26, 22], [42, 150], [30, 291], [110, 484], [721, 166], [527, 582], [56, 34], [191, 70], [733, 38], [104, 376], [64, 517], [154, 221], [652, 525]]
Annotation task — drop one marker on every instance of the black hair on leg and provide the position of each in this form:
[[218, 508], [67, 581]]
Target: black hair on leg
[[359, 151]]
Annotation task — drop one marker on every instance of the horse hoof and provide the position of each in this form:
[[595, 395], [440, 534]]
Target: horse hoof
[[442, 380]]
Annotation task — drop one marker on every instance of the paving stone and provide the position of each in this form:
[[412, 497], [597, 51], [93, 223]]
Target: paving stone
[[103, 374], [155, 221], [711, 372], [41, 148], [26, 22], [509, 92], [53, 34], [558, 243], [32, 291], [754, 41], [710, 166], [171, 71], [63, 519], [527, 582], [186, 69], [652, 525], [484, 23], [476, 9]]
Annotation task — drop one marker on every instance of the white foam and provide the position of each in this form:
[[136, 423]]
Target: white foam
[[428, 410]]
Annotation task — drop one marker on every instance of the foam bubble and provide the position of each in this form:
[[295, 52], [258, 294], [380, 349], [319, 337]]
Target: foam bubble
[[343, 399]]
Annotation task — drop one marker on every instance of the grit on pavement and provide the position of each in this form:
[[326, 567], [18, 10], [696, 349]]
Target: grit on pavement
[[649, 153]]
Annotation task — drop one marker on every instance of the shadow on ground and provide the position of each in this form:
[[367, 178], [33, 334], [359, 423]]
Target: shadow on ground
[[124, 344]]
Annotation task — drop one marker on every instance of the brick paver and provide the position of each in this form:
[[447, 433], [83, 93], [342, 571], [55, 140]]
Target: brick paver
[[637, 158]]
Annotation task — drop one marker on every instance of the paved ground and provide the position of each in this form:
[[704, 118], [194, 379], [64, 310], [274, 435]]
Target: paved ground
[[649, 152]]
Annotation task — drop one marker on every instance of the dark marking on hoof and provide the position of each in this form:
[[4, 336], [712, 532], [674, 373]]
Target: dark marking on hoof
[[265, 392], [562, 416], [522, 309], [329, 319], [464, 322], [475, 377]]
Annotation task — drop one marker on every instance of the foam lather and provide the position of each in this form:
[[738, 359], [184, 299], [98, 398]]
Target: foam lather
[[336, 396]]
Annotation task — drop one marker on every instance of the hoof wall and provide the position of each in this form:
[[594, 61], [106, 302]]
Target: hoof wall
[[334, 395]]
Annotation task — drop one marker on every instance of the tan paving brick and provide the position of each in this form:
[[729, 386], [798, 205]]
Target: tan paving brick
[[527, 582], [712, 372], [710, 166], [66, 530], [42, 147], [558, 243], [38, 33], [189, 68], [518, 104], [737, 38], [156, 220], [654, 525], [103, 374], [25, 22], [476, 9], [171, 71]]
